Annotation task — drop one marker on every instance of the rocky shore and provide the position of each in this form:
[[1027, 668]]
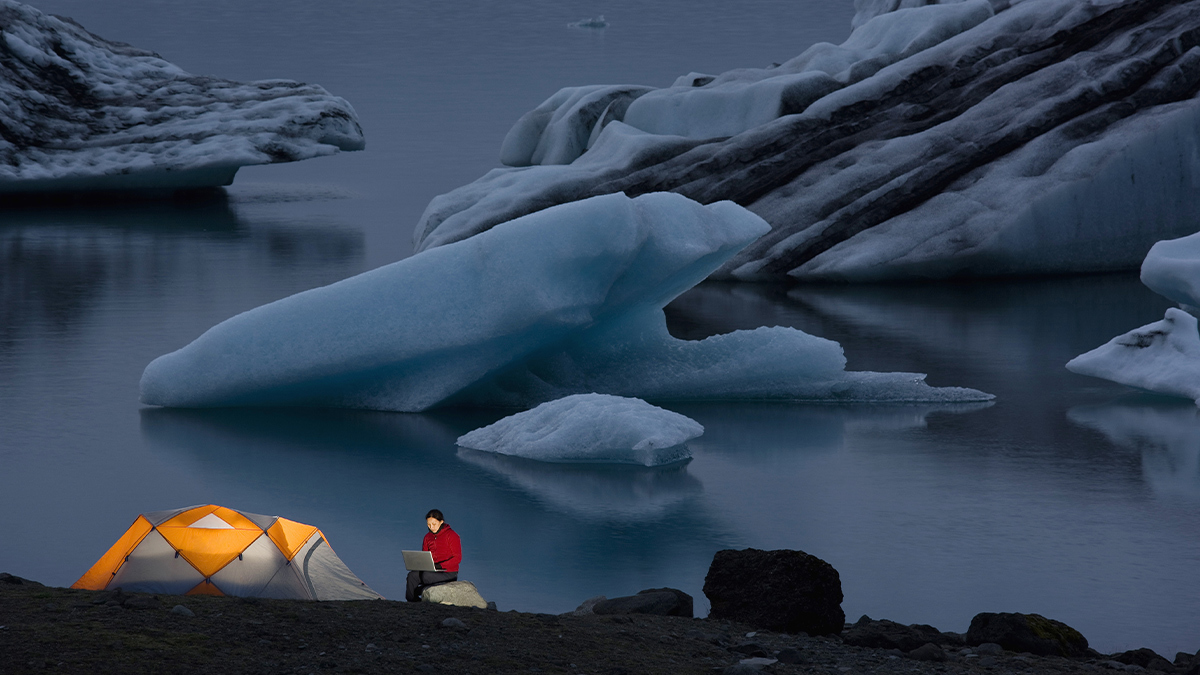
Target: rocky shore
[[57, 629]]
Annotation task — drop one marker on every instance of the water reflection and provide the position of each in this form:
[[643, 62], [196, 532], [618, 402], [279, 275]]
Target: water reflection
[[628, 494], [58, 263], [1166, 433]]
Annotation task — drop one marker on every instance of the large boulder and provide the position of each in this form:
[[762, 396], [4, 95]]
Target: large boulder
[[659, 601], [1146, 658], [1031, 633], [457, 593], [788, 591], [884, 634]]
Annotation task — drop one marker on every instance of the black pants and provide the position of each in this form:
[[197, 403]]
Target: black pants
[[417, 581]]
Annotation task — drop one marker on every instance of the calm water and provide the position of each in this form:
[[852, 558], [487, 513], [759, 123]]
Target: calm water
[[1069, 497]]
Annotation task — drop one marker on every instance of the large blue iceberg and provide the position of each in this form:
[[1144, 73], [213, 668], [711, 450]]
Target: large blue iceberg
[[961, 137], [564, 301]]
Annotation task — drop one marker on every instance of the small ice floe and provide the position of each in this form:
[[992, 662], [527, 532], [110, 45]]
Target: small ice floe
[[1164, 356], [595, 23], [590, 428]]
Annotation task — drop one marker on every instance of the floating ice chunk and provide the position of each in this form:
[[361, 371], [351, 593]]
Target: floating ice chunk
[[82, 113], [955, 142], [590, 428], [1162, 357], [1172, 269], [592, 22], [564, 301]]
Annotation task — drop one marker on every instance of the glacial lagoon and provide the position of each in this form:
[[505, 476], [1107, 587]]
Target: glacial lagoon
[[1071, 497]]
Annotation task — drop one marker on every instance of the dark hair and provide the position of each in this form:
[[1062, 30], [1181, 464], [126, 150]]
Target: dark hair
[[434, 513]]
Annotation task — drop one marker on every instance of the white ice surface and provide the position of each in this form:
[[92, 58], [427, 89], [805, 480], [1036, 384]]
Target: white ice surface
[[82, 113], [590, 428], [564, 301], [1172, 269], [1162, 357]]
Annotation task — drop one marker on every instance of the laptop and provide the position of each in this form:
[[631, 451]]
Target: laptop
[[419, 561]]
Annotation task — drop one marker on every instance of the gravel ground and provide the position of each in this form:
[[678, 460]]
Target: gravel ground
[[57, 629]]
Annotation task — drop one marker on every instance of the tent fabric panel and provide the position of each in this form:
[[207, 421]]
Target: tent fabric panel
[[236, 519], [206, 587], [248, 574], [188, 516], [209, 550], [290, 536], [263, 522], [157, 518], [153, 567], [288, 584], [97, 578], [329, 577], [212, 522]]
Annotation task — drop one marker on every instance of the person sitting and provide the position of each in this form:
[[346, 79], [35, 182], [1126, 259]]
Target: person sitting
[[442, 542]]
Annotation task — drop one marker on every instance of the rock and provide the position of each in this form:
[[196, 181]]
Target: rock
[[452, 622], [751, 649], [1146, 658], [884, 634], [457, 593], [987, 661], [791, 655], [1031, 633], [492, 606], [586, 606], [182, 611], [928, 652], [1183, 659], [784, 590], [6, 578], [142, 602], [83, 113], [989, 649], [657, 601]]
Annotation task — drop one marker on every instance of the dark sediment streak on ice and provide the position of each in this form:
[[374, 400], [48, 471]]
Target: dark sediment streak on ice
[[1063, 76]]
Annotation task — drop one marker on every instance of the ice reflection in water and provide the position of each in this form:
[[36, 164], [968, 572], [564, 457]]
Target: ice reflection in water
[[1165, 432]]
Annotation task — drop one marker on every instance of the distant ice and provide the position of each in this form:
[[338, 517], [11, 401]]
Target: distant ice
[[590, 428], [593, 22], [941, 139], [1163, 356], [82, 113], [564, 301]]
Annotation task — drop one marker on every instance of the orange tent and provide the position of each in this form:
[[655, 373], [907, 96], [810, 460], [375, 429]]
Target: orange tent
[[212, 550]]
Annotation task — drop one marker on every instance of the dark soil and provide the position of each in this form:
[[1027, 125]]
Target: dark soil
[[64, 630]]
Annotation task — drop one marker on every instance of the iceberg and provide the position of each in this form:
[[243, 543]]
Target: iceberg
[[1164, 356], [939, 140], [590, 428], [81, 113], [563, 301]]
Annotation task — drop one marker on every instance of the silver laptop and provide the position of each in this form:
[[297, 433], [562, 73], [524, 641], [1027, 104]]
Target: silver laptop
[[419, 561]]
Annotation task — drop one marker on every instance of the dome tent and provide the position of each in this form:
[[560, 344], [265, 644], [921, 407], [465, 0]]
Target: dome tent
[[213, 550]]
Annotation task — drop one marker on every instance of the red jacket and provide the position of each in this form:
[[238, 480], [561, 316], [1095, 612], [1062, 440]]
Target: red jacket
[[444, 545]]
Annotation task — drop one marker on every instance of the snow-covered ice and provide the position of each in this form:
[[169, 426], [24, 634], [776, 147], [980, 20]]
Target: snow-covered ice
[[83, 113], [590, 428], [564, 301], [1163, 356], [940, 139]]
